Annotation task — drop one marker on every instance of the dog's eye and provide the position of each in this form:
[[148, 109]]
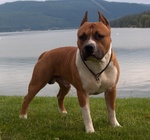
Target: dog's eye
[[83, 37], [99, 36]]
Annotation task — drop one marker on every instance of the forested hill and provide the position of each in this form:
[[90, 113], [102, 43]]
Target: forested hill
[[141, 20], [60, 14]]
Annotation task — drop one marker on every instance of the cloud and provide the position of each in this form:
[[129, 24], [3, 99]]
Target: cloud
[[131, 1], [4, 1]]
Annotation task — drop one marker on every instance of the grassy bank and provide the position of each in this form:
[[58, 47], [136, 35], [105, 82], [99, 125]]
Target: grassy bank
[[46, 123]]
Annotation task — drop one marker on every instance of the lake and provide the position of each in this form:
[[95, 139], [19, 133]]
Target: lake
[[19, 52]]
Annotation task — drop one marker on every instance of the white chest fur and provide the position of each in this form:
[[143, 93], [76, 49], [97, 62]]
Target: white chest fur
[[90, 84]]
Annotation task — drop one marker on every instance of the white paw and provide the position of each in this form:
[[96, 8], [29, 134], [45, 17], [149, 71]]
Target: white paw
[[91, 130], [23, 116], [116, 124], [63, 112]]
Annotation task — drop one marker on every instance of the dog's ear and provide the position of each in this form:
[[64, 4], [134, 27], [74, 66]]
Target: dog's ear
[[85, 19], [103, 19]]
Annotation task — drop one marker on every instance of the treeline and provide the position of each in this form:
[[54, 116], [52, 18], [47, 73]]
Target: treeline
[[60, 14], [141, 20]]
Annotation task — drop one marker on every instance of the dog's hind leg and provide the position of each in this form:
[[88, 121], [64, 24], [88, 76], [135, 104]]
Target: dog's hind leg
[[64, 89], [39, 79], [32, 91]]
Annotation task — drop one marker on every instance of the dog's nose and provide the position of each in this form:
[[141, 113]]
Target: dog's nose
[[89, 48]]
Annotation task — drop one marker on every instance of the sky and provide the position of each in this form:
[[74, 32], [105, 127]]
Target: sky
[[130, 1]]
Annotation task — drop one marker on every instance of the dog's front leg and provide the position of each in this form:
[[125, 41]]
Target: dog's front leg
[[110, 97], [85, 109]]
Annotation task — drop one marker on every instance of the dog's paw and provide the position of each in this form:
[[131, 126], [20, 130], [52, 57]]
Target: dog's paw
[[114, 122], [89, 131], [23, 116], [62, 111], [116, 125]]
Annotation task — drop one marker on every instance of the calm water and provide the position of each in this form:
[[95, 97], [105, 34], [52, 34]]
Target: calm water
[[19, 52]]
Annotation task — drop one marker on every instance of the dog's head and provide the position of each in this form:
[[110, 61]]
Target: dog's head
[[94, 38]]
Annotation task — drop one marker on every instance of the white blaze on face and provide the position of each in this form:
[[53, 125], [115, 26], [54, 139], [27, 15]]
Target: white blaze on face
[[91, 41]]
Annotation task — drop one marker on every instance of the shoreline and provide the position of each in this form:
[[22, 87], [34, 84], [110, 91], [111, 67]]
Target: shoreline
[[120, 94]]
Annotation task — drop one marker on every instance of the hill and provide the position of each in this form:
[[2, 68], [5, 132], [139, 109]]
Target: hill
[[141, 20], [60, 14]]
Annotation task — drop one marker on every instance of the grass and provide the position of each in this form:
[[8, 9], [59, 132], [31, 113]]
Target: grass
[[46, 123]]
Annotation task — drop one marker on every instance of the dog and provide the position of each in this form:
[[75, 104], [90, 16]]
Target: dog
[[92, 68]]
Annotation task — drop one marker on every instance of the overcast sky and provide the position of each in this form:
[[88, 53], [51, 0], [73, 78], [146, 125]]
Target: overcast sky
[[131, 1]]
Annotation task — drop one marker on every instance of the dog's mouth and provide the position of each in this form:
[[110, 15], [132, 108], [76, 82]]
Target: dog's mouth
[[92, 56]]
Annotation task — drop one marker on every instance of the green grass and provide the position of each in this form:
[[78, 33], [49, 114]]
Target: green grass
[[46, 123]]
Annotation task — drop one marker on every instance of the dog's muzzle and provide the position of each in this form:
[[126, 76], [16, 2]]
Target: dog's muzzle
[[90, 52], [89, 49]]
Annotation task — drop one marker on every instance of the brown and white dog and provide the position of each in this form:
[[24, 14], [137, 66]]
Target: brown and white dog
[[92, 68]]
